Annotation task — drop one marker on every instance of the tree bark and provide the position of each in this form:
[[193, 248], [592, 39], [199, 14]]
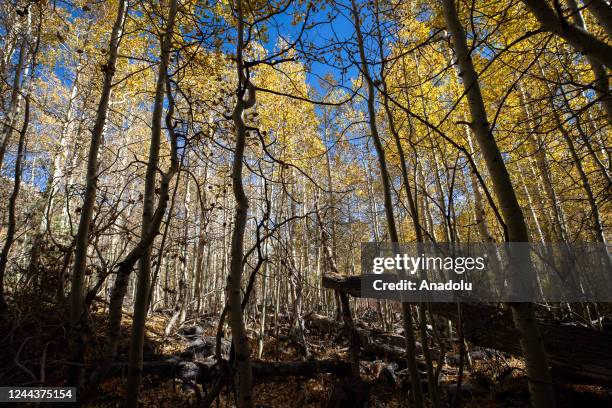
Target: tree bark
[[386, 182], [21, 71], [538, 150], [144, 275], [581, 40], [244, 376], [602, 88], [87, 209], [540, 382], [12, 204]]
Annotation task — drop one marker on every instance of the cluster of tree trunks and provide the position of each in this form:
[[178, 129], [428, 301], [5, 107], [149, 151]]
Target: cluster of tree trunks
[[491, 326]]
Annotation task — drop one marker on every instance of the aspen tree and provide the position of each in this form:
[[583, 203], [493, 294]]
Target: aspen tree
[[144, 266], [87, 209], [12, 203], [245, 99], [18, 83], [21, 72], [536, 361], [600, 84], [388, 203]]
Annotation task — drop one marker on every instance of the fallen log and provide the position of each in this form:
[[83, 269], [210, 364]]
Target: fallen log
[[383, 344], [324, 324], [373, 343], [311, 368], [576, 354], [203, 372], [348, 284]]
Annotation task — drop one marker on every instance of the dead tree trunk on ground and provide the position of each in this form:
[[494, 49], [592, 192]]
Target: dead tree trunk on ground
[[491, 326]]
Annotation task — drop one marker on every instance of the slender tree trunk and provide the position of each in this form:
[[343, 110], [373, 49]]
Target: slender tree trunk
[[202, 230], [125, 267], [161, 259], [21, 70], [433, 389], [539, 152], [87, 209], [530, 206], [12, 204], [244, 375], [536, 361], [144, 272], [480, 216], [586, 139], [601, 85], [386, 182], [58, 180], [598, 229], [264, 301]]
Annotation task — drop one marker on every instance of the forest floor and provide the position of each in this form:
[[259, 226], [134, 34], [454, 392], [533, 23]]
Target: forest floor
[[32, 350]]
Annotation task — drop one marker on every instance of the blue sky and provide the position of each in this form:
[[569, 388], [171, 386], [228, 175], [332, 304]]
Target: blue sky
[[337, 26]]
